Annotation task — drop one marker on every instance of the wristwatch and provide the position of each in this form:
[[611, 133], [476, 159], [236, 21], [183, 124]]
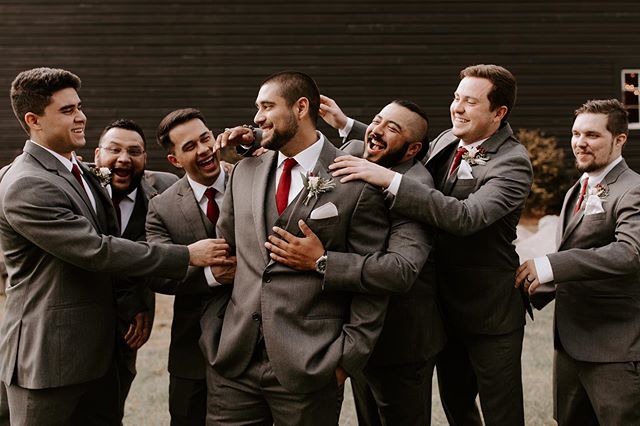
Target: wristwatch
[[321, 264]]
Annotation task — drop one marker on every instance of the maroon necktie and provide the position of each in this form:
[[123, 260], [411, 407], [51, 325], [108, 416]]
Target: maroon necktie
[[583, 192], [282, 193], [76, 173], [116, 205], [457, 159], [212, 207]]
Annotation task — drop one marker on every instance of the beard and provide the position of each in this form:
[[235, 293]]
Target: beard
[[136, 178], [279, 138], [388, 159], [595, 163]]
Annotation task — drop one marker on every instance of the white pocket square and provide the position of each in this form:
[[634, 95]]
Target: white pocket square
[[464, 170], [593, 205], [324, 211]]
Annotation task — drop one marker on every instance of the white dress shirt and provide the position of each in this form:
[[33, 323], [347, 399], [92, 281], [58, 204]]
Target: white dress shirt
[[68, 164], [126, 207], [542, 264], [306, 160], [198, 192]]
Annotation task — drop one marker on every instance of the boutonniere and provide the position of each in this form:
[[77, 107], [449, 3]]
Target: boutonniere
[[475, 155], [316, 185], [601, 191], [103, 174]]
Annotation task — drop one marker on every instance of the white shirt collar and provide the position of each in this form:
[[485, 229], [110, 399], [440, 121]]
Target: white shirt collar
[[471, 145], [596, 178], [130, 196], [68, 164], [199, 189], [308, 157]]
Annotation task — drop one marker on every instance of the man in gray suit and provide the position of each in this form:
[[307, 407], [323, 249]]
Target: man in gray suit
[[595, 277], [286, 344], [188, 212], [396, 386], [58, 332], [482, 176], [122, 149]]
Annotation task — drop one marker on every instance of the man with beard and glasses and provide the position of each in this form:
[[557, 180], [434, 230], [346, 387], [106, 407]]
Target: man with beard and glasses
[[286, 345], [395, 387], [482, 176], [595, 277], [122, 149]]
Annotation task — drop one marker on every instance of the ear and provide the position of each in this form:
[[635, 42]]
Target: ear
[[174, 161], [414, 149], [32, 120], [501, 113], [96, 155], [301, 107], [620, 140]]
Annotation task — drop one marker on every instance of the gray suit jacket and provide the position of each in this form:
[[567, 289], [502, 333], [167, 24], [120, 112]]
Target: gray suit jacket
[[307, 332], [476, 218], [413, 329], [597, 274], [175, 217], [59, 323]]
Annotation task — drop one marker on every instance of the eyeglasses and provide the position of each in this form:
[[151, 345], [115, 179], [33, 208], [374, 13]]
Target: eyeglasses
[[132, 152]]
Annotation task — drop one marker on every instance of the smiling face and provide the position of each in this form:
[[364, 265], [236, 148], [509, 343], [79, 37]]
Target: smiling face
[[122, 151], [391, 134], [593, 145], [471, 114], [61, 125], [276, 119], [193, 151]]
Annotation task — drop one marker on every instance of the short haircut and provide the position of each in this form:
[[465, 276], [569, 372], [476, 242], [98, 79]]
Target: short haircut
[[424, 138], [126, 124], [173, 119], [32, 89], [617, 116], [294, 85], [504, 85]]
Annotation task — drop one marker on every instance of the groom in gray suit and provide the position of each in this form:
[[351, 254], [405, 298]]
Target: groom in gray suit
[[59, 327], [286, 346], [482, 176], [595, 277]]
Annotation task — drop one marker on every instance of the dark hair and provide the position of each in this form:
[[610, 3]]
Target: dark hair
[[504, 85], [173, 119], [32, 89], [424, 138], [126, 124], [294, 85], [617, 116]]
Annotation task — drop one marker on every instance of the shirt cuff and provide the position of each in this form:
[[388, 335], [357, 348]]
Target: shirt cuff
[[344, 132], [211, 280], [543, 268], [395, 184]]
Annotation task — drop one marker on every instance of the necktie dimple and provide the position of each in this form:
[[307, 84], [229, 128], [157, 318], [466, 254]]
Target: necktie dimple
[[457, 159], [282, 193], [213, 212], [583, 192], [75, 171]]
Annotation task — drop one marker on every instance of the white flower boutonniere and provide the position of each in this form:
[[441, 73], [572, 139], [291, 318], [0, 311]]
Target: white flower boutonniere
[[601, 191], [103, 174], [316, 185], [475, 155]]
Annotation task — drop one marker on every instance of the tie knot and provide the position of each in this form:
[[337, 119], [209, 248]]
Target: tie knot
[[461, 151], [289, 164], [210, 193], [116, 198]]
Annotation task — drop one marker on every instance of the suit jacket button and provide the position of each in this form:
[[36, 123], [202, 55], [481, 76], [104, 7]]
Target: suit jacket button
[[267, 278], [255, 316]]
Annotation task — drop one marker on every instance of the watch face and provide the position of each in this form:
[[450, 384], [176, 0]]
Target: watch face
[[321, 264]]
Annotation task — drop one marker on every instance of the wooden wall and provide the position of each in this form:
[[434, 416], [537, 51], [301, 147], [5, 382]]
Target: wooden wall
[[141, 59]]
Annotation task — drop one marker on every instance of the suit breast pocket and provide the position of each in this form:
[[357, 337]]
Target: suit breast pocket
[[463, 188], [323, 223], [596, 217]]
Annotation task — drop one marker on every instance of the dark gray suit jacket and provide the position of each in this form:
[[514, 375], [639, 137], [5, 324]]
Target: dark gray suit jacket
[[307, 332], [413, 329], [59, 323], [175, 217], [597, 274], [477, 220]]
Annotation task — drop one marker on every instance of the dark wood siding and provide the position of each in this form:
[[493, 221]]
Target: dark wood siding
[[142, 59]]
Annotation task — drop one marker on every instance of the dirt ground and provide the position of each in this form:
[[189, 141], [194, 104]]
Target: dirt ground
[[147, 403]]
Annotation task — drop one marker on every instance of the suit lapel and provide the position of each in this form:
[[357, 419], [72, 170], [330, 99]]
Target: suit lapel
[[191, 210], [259, 187]]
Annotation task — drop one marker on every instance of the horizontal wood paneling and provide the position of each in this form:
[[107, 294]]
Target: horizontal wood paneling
[[142, 59]]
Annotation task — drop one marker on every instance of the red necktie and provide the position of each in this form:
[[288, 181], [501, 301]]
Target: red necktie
[[76, 173], [282, 193], [212, 207], [583, 192], [457, 159]]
